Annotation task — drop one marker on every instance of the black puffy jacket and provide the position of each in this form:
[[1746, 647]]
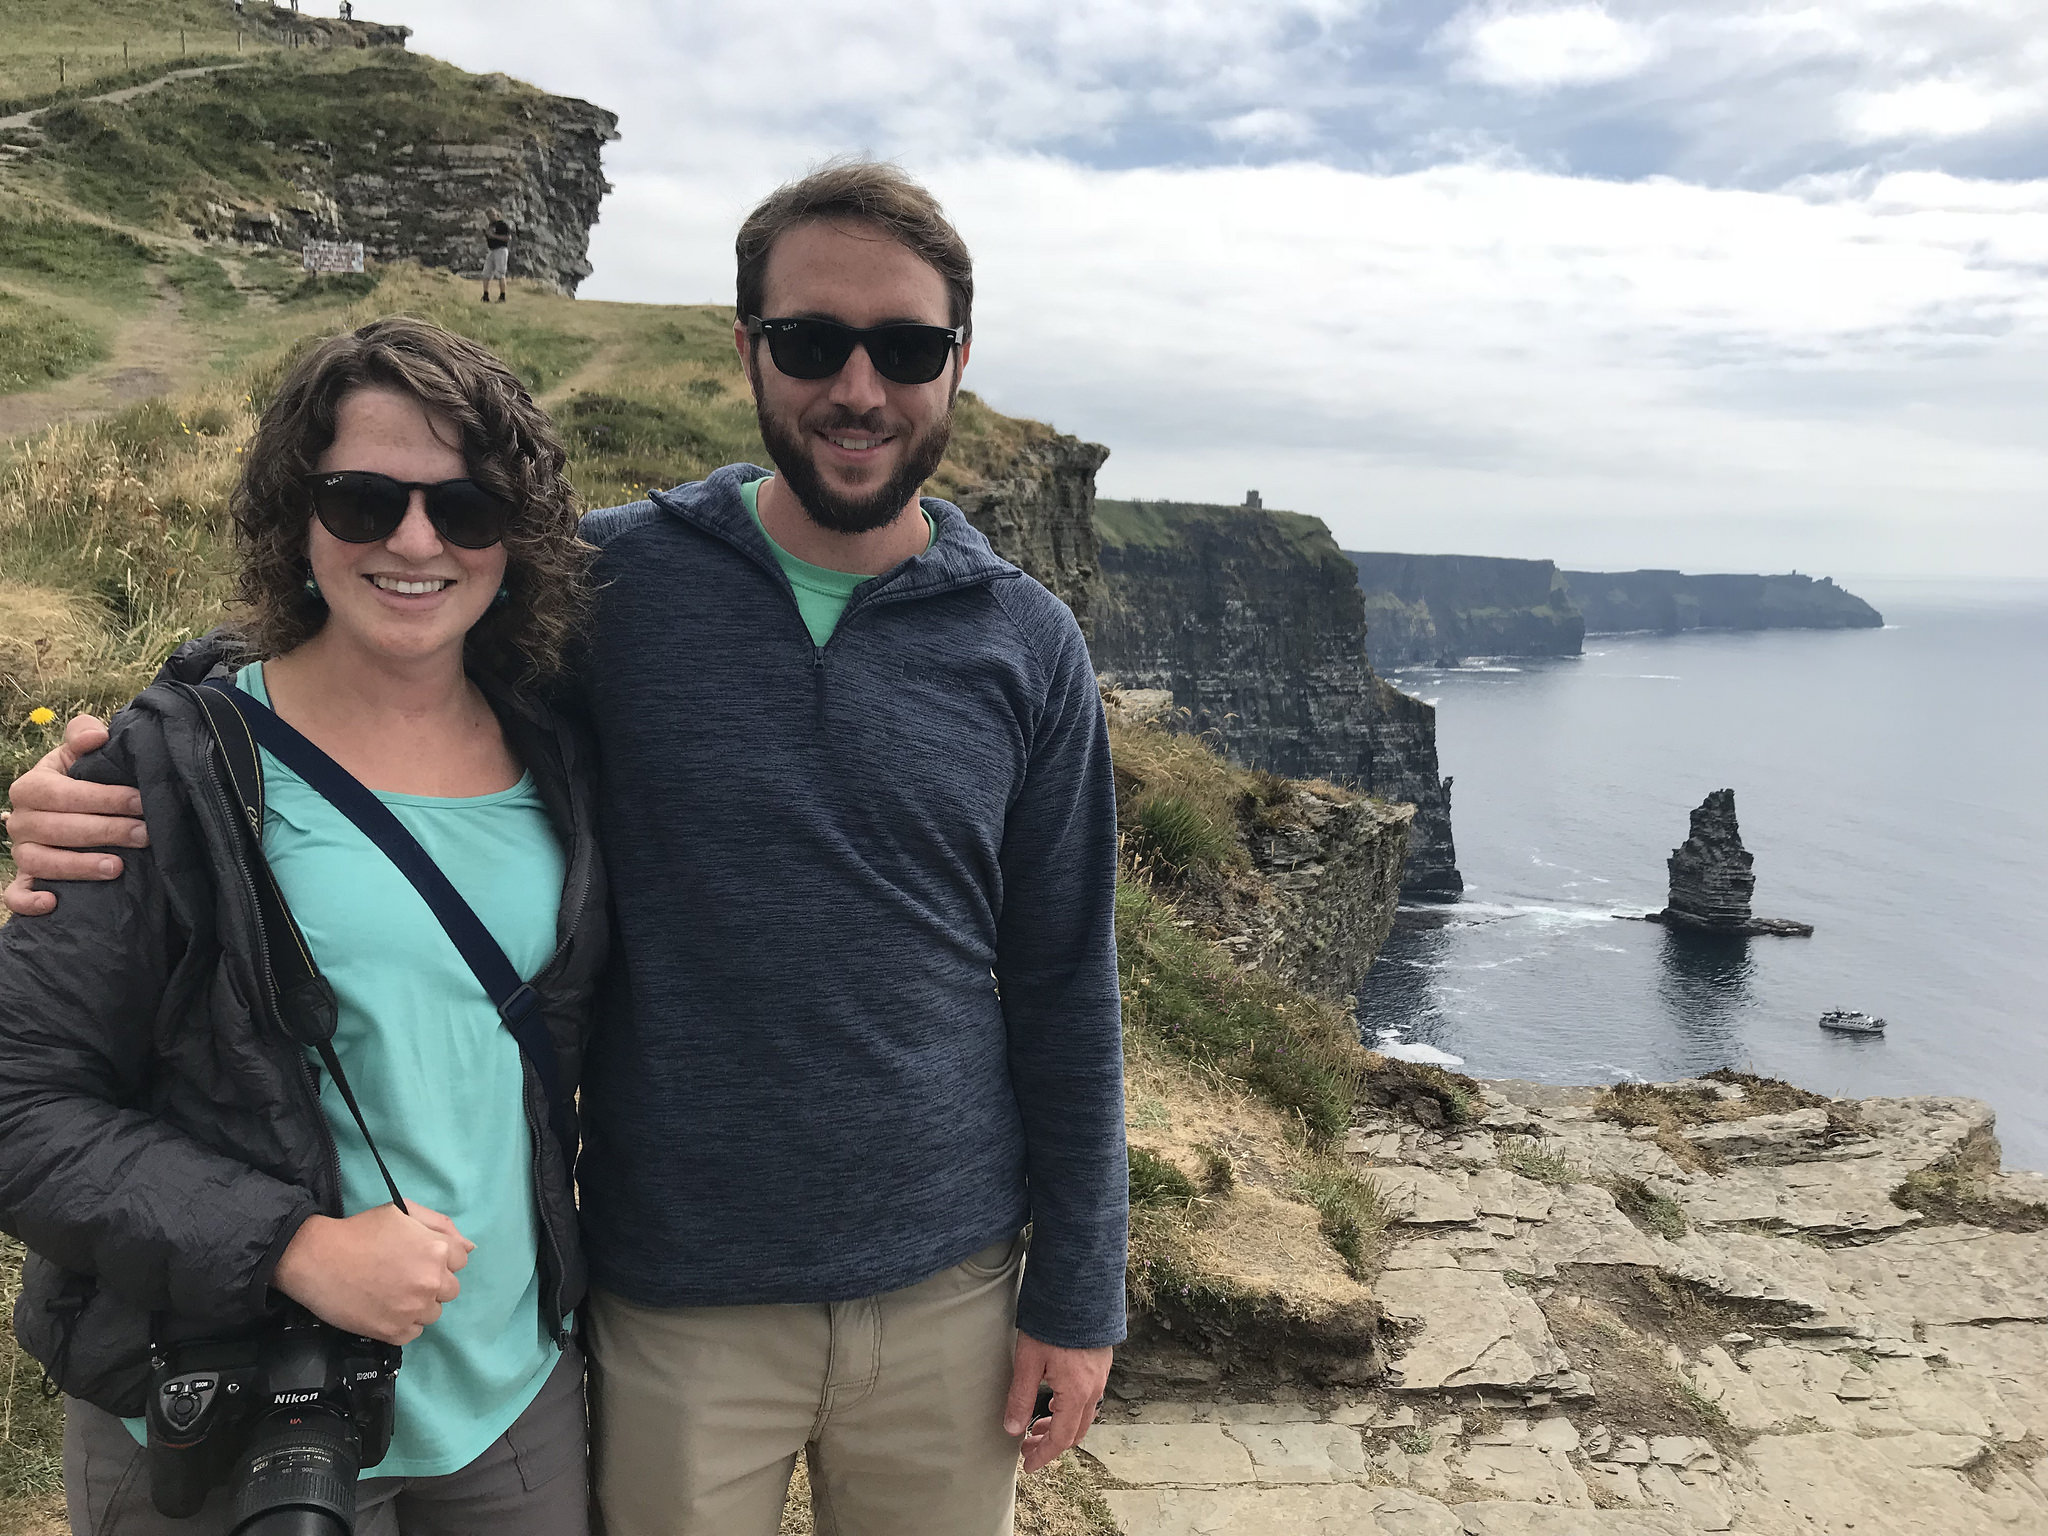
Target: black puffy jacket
[[161, 1140]]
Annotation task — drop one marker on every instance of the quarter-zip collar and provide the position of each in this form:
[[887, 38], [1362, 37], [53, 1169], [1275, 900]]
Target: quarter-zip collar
[[958, 555]]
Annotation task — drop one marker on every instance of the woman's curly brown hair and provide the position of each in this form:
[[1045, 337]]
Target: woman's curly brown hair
[[512, 450]]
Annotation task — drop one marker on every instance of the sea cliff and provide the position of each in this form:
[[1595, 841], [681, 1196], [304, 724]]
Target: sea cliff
[[1669, 602], [1253, 621], [1437, 610], [1037, 508], [366, 142]]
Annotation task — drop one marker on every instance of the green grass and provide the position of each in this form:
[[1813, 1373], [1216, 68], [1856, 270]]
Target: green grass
[[1219, 1169], [1155, 1181], [1178, 836], [1173, 524], [208, 291], [1354, 1215], [74, 257], [1188, 996], [332, 287], [1950, 1193], [39, 345], [1648, 1209], [1534, 1159], [89, 37], [242, 134]]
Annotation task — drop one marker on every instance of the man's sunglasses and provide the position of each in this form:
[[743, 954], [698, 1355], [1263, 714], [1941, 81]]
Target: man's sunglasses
[[359, 507], [817, 349]]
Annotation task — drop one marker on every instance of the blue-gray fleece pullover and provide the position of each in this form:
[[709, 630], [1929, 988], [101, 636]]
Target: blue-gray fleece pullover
[[863, 1017]]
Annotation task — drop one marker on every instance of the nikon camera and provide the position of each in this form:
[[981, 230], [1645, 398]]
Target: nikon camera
[[286, 1417]]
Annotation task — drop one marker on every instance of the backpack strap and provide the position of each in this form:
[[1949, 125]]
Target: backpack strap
[[517, 1003], [305, 1002]]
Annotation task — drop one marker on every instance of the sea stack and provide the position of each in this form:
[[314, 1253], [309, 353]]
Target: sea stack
[[1712, 877]]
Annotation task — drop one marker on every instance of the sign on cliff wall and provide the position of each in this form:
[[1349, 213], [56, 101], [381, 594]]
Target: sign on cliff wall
[[333, 256]]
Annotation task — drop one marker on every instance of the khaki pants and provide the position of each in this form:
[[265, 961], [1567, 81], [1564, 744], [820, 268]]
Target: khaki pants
[[698, 1413], [533, 1480]]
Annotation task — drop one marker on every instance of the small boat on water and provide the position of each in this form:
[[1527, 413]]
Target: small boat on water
[[1844, 1021]]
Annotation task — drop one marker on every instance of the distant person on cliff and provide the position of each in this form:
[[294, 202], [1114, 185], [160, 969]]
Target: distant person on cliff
[[497, 253], [862, 1028]]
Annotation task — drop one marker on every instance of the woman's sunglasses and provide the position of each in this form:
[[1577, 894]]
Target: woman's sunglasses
[[817, 349], [359, 507]]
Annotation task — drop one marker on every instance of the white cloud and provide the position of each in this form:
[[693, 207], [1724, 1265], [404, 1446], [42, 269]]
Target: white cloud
[[1938, 109], [1541, 50], [1843, 365], [1267, 126]]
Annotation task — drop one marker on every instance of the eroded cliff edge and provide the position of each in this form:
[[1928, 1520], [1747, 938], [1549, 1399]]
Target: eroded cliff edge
[[1253, 620]]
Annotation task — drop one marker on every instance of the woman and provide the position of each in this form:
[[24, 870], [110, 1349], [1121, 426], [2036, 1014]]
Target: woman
[[182, 1171]]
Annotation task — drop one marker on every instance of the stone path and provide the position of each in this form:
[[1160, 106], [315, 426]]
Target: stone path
[[1802, 1357]]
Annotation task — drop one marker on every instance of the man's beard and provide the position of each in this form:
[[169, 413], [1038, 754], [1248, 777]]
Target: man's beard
[[789, 450]]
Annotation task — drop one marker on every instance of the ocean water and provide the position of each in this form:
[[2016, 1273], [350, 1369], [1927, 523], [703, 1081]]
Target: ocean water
[[1893, 787]]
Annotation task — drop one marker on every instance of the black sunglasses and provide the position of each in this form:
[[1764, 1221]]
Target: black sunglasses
[[817, 349], [359, 507]]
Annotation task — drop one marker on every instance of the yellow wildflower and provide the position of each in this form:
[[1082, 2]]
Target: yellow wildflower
[[42, 714]]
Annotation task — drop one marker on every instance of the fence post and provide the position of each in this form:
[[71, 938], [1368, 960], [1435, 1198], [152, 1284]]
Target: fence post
[[60, 70], [124, 55]]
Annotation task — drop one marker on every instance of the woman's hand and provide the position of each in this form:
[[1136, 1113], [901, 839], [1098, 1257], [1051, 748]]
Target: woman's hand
[[381, 1273]]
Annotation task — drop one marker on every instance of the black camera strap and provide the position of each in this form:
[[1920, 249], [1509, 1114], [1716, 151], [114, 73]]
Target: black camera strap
[[517, 1003], [306, 1005]]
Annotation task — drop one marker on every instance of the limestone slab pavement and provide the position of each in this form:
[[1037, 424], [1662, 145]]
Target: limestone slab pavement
[[1798, 1356]]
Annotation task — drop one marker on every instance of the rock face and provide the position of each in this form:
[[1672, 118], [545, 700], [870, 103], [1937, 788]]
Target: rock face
[[546, 180], [1039, 514], [1253, 620], [1712, 877], [401, 152], [1712, 874], [1669, 602], [1334, 865], [1324, 882], [1439, 609]]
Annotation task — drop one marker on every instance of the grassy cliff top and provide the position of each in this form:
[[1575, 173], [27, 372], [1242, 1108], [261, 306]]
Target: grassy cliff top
[[113, 43], [1170, 525]]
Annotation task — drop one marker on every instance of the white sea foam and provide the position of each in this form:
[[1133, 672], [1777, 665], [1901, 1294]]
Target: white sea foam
[[1391, 1044]]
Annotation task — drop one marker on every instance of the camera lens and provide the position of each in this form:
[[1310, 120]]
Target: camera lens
[[298, 1476]]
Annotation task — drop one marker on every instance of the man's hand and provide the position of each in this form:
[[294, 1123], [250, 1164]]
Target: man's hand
[[1077, 1378], [55, 814], [381, 1273]]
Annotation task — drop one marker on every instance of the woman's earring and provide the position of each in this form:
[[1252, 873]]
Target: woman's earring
[[312, 586], [504, 596]]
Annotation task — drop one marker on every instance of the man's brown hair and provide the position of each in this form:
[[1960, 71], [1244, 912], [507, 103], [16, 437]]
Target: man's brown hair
[[511, 449], [871, 192]]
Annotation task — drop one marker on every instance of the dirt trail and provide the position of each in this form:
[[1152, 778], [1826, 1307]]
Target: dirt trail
[[126, 94], [152, 354], [598, 366]]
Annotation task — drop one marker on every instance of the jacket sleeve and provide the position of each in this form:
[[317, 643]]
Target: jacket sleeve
[[89, 1178], [1056, 968]]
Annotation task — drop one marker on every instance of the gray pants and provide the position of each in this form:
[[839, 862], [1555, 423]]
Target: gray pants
[[533, 1480]]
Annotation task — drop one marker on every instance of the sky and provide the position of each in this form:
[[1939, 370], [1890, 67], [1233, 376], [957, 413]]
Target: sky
[[1715, 284]]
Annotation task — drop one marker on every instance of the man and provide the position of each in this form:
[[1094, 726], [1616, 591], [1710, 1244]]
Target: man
[[497, 253], [864, 1022]]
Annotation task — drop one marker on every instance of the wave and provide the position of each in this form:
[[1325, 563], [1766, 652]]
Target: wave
[[1388, 1042], [1467, 914]]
